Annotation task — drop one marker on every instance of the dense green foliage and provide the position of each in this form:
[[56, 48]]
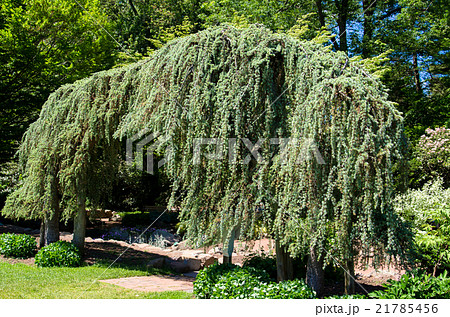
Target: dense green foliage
[[432, 156], [56, 42], [250, 83], [416, 285], [60, 253], [44, 44], [231, 281], [428, 211], [208, 277], [17, 245], [251, 98]]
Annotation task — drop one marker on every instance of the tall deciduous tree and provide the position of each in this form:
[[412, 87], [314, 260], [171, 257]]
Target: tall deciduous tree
[[44, 44]]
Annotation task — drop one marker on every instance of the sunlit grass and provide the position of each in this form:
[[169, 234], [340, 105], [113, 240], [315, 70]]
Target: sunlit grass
[[23, 281]]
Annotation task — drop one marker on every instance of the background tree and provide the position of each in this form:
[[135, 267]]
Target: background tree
[[44, 44]]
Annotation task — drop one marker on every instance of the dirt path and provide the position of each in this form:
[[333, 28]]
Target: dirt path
[[155, 283]]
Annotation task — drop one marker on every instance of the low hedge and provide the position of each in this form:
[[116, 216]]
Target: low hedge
[[17, 245], [60, 253]]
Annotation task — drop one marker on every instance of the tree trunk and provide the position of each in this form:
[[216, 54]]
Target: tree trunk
[[349, 277], [42, 234], [314, 272], [369, 10], [342, 7], [228, 247], [52, 228], [416, 74], [79, 224], [320, 13], [285, 268]]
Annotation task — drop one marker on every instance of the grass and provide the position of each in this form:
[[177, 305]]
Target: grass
[[21, 281]]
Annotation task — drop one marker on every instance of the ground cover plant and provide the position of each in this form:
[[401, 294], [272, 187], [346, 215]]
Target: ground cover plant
[[416, 284], [227, 281]]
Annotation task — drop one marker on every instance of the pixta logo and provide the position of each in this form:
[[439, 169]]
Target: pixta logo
[[141, 148]]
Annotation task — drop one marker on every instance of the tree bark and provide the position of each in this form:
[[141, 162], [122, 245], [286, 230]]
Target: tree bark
[[342, 7], [314, 272], [52, 227], [369, 10], [133, 8], [285, 268], [42, 234], [417, 74], [228, 247], [320, 13], [79, 225], [349, 277]]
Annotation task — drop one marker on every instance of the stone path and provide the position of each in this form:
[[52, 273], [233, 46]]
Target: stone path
[[156, 283]]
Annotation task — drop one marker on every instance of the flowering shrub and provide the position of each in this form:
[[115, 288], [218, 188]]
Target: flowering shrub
[[428, 212], [433, 152]]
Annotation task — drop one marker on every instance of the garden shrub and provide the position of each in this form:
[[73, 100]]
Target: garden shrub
[[428, 212], [17, 245], [416, 284], [60, 253], [231, 281], [433, 154], [208, 277]]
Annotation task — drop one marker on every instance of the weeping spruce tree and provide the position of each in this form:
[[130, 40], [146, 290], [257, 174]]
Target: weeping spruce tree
[[238, 86]]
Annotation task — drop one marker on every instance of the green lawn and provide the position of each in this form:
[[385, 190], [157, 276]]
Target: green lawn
[[24, 281]]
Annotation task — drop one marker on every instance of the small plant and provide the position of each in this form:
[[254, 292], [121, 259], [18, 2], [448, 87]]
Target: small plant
[[60, 253], [416, 284], [17, 245]]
